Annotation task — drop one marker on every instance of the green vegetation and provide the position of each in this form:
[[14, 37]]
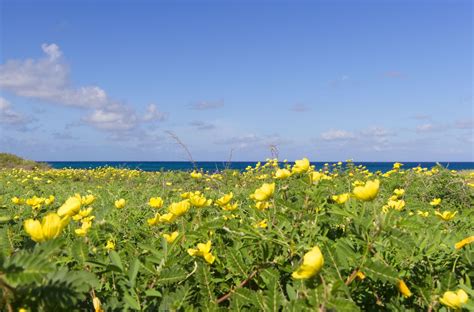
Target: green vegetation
[[10, 161], [396, 245]]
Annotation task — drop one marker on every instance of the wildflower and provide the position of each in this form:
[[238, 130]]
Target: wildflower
[[264, 192], [464, 242], [396, 204], [453, 299], [262, 224], [196, 175], [87, 200], [203, 250], [230, 207], [403, 289], [399, 192], [70, 207], [422, 213], [97, 305], [180, 208], [17, 200], [119, 204], [224, 200], [171, 237], [156, 202], [110, 245], [397, 165], [35, 202], [340, 199], [312, 264], [50, 227], [48, 201], [360, 275], [82, 231], [446, 215], [282, 174], [368, 191], [435, 202], [167, 217], [198, 200], [262, 205], [301, 165]]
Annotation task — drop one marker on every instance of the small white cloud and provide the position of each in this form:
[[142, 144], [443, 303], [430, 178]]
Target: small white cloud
[[153, 114], [337, 135], [206, 105], [201, 125], [10, 116], [114, 118]]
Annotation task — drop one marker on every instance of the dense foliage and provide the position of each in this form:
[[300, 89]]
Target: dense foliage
[[330, 238]]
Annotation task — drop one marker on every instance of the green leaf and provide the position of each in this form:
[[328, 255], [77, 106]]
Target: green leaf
[[115, 258]]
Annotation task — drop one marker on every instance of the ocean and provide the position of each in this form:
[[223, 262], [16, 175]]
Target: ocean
[[213, 166]]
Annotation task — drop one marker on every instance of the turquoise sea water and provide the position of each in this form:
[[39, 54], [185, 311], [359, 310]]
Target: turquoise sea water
[[219, 165]]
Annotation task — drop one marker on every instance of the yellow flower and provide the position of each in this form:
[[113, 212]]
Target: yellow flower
[[180, 208], [171, 237], [49, 228], [198, 200], [453, 299], [196, 175], [262, 224], [264, 192], [110, 245], [340, 199], [97, 305], [422, 213], [87, 200], [167, 218], [156, 202], [203, 250], [464, 242], [403, 289], [435, 202], [86, 225], [17, 200], [316, 176], [154, 220], [367, 192], [70, 207], [397, 165], [262, 205], [119, 204], [399, 192], [224, 200], [282, 174], [312, 263], [301, 165], [360, 275], [396, 204], [230, 207], [446, 215], [49, 200]]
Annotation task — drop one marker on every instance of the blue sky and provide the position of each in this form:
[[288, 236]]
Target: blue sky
[[330, 80]]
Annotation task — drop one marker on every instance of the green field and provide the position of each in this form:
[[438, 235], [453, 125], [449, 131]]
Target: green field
[[302, 239]]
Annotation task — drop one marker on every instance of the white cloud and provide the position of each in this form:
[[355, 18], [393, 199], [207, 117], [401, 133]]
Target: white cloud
[[10, 116], [153, 114], [337, 135], [201, 125], [112, 118], [205, 105], [48, 79]]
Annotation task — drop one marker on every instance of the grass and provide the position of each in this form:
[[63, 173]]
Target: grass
[[124, 261], [10, 161]]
